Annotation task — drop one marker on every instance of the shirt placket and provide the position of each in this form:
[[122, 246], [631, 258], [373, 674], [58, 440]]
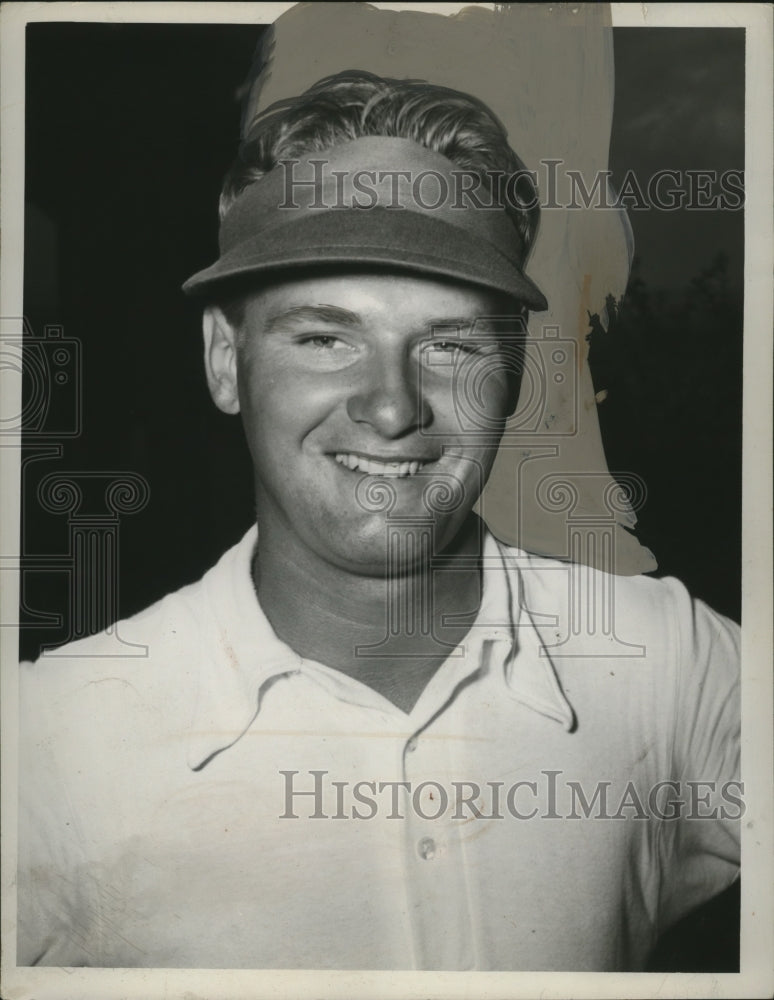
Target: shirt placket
[[442, 922], [435, 881]]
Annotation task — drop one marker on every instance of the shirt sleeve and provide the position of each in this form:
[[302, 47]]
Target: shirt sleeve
[[700, 846], [55, 896]]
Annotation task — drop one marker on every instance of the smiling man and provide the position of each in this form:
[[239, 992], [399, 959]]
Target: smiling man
[[347, 384], [357, 742]]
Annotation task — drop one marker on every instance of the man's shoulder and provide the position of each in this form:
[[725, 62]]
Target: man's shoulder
[[658, 613], [546, 575], [171, 632]]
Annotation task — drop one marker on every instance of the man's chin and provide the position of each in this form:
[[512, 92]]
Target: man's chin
[[398, 546]]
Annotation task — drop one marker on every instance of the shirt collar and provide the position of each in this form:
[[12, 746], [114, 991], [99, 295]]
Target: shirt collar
[[240, 651], [529, 672]]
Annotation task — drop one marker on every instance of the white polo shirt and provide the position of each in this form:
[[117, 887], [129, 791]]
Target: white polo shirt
[[222, 803]]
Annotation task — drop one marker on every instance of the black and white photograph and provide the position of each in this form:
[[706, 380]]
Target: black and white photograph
[[386, 490]]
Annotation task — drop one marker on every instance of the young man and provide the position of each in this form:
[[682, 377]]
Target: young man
[[356, 743]]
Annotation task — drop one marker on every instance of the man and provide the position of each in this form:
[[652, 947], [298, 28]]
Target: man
[[370, 737]]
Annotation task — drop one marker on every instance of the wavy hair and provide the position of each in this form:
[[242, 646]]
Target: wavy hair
[[355, 104]]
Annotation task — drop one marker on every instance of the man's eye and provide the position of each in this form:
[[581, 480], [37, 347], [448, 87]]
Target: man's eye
[[323, 351], [445, 346], [450, 349], [322, 340]]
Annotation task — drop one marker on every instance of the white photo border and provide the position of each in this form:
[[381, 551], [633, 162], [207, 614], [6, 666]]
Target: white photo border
[[756, 977]]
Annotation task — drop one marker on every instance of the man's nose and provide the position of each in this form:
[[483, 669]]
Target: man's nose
[[390, 399]]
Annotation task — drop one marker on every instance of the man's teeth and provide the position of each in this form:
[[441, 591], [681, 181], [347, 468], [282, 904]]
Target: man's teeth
[[373, 468]]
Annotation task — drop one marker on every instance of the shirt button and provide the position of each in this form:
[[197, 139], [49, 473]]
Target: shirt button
[[426, 848], [412, 744]]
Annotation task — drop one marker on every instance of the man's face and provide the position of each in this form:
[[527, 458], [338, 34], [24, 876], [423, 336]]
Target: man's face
[[370, 401]]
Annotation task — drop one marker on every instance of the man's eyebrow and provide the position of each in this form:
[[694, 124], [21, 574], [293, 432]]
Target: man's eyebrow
[[465, 324], [452, 321], [312, 314], [336, 315]]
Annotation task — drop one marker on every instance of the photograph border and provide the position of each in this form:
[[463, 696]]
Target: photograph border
[[756, 976]]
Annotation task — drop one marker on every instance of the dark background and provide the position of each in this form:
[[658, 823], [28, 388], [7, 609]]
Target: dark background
[[129, 131]]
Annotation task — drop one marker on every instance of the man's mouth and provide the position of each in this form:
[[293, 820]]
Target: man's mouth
[[375, 467]]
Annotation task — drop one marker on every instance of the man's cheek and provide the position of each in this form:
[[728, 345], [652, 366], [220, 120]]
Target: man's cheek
[[479, 398]]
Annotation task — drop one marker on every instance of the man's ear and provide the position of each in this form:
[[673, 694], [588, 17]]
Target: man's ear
[[220, 361]]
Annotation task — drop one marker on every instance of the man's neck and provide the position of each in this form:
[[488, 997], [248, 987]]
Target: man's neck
[[390, 631]]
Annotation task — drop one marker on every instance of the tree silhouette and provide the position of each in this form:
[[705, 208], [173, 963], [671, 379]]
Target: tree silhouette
[[671, 364]]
